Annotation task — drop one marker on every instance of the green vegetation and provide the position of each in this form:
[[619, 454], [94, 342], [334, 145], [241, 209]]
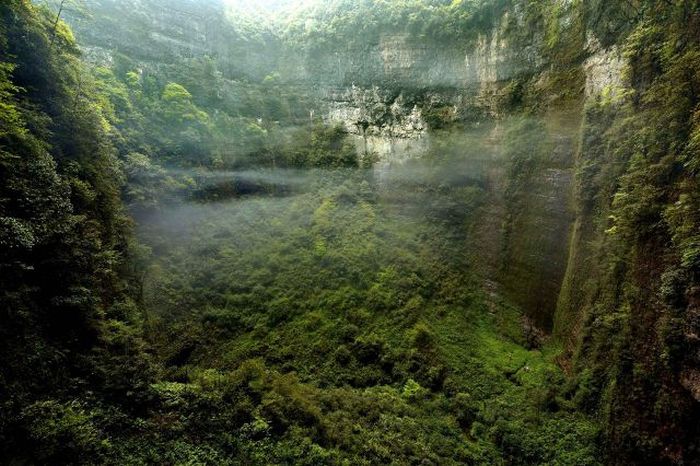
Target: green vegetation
[[636, 184], [325, 328], [176, 121], [326, 24], [67, 318], [197, 267]]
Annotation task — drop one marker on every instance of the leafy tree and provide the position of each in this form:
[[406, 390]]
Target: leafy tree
[[62, 229]]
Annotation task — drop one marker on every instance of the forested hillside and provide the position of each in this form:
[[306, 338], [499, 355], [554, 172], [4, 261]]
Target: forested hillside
[[349, 232], [70, 327]]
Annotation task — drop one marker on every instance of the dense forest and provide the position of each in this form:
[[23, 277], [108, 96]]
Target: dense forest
[[350, 232]]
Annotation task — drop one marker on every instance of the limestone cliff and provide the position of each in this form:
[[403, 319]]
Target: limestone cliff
[[391, 95], [597, 251]]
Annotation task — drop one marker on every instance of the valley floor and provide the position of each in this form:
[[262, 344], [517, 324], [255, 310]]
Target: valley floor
[[339, 323]]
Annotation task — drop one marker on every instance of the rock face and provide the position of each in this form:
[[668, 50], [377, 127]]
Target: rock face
[[525, 250], [396, 59], [380, 123], [603, 70], [382, 91], [538, 237], [390, 96], [168, 32], [367, 87], [377, 92]]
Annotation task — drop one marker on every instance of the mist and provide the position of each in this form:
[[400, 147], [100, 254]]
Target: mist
[[349, 232]]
